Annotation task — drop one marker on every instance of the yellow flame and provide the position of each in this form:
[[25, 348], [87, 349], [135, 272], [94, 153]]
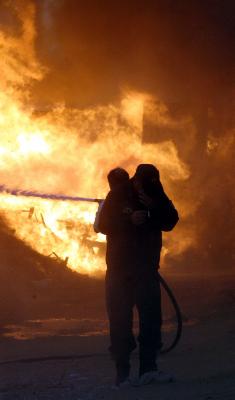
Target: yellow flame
[[34, 143], [69, 152]]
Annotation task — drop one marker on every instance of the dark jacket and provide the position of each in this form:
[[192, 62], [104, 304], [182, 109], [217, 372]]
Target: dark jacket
[[131, 248]]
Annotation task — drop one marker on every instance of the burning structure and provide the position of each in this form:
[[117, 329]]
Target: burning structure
[[59, 146]]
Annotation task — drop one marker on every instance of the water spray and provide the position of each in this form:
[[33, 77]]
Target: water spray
[[50, 196]]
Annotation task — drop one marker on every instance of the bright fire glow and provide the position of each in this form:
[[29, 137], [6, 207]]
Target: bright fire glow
[[34, 143], [70, 152]]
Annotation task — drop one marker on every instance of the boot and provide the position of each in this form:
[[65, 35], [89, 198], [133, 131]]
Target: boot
[[122, 371]]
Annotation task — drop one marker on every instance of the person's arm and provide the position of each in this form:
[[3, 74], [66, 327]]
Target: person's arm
[[97, 217], [112, 219], [164, 216]]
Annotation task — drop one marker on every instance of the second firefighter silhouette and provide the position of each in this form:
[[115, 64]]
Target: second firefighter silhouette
[[133, 217]]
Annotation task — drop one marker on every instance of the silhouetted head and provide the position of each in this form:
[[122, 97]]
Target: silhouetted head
[[147, 178], [116, 177]]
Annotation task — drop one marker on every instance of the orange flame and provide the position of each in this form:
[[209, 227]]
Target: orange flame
[[70, 152]]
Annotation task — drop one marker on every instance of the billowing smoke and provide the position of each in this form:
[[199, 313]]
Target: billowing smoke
[[113, 84], [181, 53]]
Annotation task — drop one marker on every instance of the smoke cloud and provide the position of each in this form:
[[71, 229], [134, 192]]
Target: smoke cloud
[[179, 56], [179, 52]]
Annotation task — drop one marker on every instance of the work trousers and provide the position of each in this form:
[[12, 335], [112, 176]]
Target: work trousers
[[123, 292]]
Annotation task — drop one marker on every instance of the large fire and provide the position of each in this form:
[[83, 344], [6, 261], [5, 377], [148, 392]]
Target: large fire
[[70, 151]]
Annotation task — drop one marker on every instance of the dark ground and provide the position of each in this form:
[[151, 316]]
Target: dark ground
[[54, 333]]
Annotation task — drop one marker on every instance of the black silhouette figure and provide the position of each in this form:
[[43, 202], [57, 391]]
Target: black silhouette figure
[[133, 217]]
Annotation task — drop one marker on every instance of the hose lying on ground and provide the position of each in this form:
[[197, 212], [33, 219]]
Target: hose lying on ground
[[177, 313]]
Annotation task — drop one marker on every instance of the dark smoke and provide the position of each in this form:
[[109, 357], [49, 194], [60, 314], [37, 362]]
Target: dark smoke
[[182, 52]]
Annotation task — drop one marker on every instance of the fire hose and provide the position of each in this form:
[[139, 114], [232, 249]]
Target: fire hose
[[177, 314], [169, 292]]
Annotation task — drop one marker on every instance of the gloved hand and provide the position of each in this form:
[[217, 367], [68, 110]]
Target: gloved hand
[[146, 200]]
